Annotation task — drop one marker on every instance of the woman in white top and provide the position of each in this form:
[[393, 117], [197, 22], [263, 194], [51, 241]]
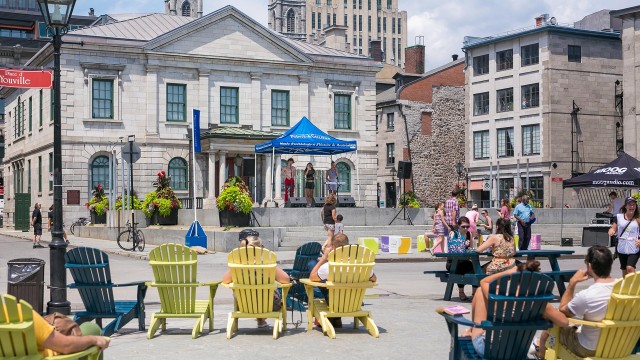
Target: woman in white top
[[627, 229]]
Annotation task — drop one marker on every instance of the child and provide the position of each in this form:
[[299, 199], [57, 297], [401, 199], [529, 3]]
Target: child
[[339, 229]]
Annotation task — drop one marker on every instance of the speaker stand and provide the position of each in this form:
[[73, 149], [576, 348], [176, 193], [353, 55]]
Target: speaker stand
[[254, 220], [404, 207]]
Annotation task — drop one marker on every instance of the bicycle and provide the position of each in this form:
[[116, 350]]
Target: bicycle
[[82, 221], [131, 238]]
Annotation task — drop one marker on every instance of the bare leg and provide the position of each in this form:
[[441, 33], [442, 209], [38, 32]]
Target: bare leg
[[542, 348], [439, 242], [478, 311], [327, 242]]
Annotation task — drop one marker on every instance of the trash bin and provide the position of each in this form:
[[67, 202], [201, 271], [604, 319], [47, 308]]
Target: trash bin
[[26, 281]]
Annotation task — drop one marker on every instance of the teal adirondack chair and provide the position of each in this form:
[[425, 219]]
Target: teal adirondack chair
[[92, 277], [515, 306], [310, 251]]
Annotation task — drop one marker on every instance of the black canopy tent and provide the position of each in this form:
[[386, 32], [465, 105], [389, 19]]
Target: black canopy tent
[[623, 172]]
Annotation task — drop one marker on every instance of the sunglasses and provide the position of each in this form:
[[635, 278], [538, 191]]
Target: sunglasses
[[464, 227]]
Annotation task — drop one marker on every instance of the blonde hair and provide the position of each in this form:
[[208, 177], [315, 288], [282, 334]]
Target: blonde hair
[[330, 200], [251, 241], [340, 240]]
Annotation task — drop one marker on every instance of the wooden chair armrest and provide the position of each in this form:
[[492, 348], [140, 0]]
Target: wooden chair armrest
[[211, 283], [313, 283], [78, 355], [459, 319], [283, 286], [154, 284], [604, 323], [135, 283]]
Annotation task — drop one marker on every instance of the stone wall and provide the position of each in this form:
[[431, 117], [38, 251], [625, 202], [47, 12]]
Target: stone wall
[[434, 156]]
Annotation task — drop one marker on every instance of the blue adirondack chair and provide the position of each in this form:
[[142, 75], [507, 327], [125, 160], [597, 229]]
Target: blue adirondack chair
[[305, 254], [515, 306], [90, 271]]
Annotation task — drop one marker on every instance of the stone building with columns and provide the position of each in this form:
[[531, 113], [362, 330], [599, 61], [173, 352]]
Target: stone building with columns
[[249, 83]]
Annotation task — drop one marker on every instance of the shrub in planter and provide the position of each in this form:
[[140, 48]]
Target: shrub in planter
[[163, 201], [99, 203], [137, 204], [234, 203], [409, 200]]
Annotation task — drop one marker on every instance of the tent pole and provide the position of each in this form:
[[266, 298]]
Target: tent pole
[[255, 178], [273, 157], [562, 216], [358, 175]]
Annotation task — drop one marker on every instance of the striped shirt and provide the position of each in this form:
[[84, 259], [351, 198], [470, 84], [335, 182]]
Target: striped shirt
[[450, 206]]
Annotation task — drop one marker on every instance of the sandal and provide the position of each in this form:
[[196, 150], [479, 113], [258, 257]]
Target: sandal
[[463, 296]]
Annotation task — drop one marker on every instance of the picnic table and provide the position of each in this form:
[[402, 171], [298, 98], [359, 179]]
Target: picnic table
[[473, 279]]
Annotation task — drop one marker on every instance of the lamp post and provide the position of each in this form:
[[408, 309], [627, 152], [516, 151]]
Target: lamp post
[[393, 177], [56, 14], [461, 171]]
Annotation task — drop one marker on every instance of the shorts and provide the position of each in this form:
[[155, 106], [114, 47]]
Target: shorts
[[331, 227], [628, 260], [310, 185], [569, 338], [478, 345], [37, 229]]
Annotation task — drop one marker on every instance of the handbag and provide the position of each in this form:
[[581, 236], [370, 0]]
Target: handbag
[[63, 324]]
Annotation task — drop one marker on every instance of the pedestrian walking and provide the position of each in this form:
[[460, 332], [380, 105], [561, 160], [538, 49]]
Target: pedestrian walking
[[36, 222], [473, 217], [329, 217], [525, 216], [452, 211], [626, 226], [440, 228]]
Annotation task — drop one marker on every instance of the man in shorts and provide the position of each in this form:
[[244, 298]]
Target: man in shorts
[[289, 172], [36, 222]]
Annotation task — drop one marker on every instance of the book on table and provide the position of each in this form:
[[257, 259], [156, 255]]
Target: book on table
[[456, 310]]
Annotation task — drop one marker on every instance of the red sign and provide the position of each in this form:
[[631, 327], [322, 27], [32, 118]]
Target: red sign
[[34, 79], [558, 179]]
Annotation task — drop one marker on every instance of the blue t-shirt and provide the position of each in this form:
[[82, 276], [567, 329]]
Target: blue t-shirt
[[456, 244], [523, 212]]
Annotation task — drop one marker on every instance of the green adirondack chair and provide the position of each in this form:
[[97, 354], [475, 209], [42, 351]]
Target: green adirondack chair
[[175, 268], [18, 337]]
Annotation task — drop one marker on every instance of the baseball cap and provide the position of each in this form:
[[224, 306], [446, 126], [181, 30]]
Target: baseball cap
[[630, 199], [246, 233]]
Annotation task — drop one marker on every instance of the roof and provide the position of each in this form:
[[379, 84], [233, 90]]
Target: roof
[[237, 133], [385, 76], [443, 67], [319, 50], [626, 11], [386, 96], [143, 28], [473, 42]]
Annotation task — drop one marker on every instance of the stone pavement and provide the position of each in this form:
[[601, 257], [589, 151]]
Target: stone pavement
[[402, 305]]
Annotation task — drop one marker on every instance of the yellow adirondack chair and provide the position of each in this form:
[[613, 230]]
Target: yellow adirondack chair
[[175, 268], [253, 276], [349, 270], [620, 328], [18, 337]]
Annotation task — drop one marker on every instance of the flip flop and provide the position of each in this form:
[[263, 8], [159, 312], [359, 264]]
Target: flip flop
[[463, 297]]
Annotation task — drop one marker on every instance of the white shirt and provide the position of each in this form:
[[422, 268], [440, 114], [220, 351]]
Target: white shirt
[[338, 228], [323, 271], [627, 240], [591, 304]]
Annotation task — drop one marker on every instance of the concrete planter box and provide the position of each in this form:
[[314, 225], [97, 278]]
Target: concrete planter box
[[171, 219], [232, 218], [98, 219]]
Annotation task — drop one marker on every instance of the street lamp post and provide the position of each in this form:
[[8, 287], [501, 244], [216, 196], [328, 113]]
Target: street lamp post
[[56, 15]]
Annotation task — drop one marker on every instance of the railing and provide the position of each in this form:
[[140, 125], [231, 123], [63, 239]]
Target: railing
[[187, 203]]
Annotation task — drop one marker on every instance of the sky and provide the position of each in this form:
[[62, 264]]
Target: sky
[[444, 24]]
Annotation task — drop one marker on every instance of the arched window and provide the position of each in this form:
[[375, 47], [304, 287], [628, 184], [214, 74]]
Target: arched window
[[179, 173], [344, 177], [186, 8], [291, 21], [100, 172]]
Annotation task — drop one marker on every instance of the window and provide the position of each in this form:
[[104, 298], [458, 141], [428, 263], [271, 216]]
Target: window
[[342, 112], [531, 140], [345, 4], [100, 172], [504, 188], [390, 121], [575, 53], [391, 159], [481, 144], [30, 114], [399, 52], [186, 9], [393, 25], [359, 22], [504, 100], [102, 98], [529, 55], [177, 102], [355, 23], [354, 3], [335, 19], [369, 5], [313, 20], [229, 105], [504, 60], [399, 26], [319, 21], [28, 176], [178, 172], [360, 4], [388, 4], [379, 3], [530, 96], [39, 174], [505, 142], [344, 176], [40, 109], [536, 186], [291, 21], [329, 2], [378, 23], [50, 171], [369, 23], [328, 19], [481, 104], [345, 21], [279, 108], [481, 65], [384, 24]]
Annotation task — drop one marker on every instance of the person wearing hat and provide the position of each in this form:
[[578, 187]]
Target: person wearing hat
[[473, 216], [625, 225], [289, 172]]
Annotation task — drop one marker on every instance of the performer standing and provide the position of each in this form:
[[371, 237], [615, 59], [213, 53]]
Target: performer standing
[[332, 179], [310, 176], [289, 183]]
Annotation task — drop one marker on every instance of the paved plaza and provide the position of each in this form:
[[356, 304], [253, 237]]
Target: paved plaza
[[402, 306]]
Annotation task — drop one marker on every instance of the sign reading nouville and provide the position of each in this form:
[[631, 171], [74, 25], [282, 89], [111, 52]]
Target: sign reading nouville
[[34, 79]]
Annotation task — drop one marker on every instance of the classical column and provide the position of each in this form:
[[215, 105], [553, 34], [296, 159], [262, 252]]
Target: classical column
[[303, 94], [256, 101], [203, 97], [222, 176], [212, 176], [152, 100], [278, 196], [268, 184]]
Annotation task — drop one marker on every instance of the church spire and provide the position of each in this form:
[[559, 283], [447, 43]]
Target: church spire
[[192, 8]]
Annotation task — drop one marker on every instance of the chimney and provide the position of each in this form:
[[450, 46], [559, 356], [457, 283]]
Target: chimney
[[376, 50], [92, 12], [335, 36], [414, 59], [542, 20], [454, 57]]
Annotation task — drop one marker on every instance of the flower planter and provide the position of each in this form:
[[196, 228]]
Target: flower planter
[[98, 219], [171, 219], [232, 218]]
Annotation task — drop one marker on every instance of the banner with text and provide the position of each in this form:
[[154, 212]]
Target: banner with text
[[34, 79]]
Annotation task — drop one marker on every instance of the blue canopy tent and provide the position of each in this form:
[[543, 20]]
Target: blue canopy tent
[[305, 138]]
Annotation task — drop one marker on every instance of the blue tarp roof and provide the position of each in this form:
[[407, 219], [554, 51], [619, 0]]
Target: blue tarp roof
[[306, 138]]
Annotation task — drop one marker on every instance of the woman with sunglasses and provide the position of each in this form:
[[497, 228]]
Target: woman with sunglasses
[[458, 242]]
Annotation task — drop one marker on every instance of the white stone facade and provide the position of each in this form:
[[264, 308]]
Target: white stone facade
[[224, 48]]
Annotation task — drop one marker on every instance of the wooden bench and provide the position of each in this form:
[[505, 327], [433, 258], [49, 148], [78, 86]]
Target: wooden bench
[[466, 279]]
